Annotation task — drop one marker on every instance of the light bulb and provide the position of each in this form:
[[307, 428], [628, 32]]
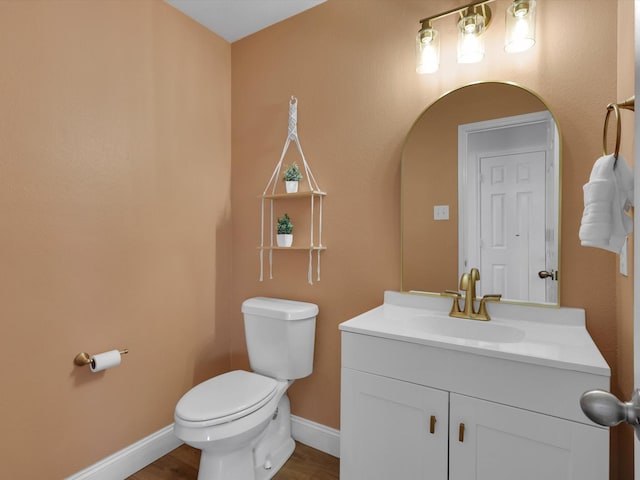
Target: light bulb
[[520, 26], [427, 51], [470, 40]]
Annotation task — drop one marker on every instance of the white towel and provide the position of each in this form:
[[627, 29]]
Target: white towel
[[607, 198]]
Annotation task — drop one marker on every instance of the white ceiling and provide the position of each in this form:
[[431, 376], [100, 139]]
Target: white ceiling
[[235, 19]]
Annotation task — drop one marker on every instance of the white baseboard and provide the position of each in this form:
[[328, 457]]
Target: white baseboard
[[316, 435], [135, 457], [129, 460]]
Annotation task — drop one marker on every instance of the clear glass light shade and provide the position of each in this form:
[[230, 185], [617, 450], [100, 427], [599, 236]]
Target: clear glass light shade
[[470, 40], [520, 26], [427, 51]]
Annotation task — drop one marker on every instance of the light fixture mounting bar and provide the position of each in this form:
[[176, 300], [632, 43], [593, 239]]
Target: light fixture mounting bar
[[427, 20]]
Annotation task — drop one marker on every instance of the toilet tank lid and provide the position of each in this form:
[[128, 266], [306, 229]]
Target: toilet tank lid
[[279, 308]]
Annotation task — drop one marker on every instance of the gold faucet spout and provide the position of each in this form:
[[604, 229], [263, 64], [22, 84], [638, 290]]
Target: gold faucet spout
[[465, 283], [474, 277], [468, 285]]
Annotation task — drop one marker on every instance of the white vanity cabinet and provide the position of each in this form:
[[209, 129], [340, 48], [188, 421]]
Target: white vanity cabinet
[[502, 442], [392, 429], [406, 395]]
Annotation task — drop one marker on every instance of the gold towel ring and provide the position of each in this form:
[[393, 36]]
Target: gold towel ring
[[612, 107], [628, 104]]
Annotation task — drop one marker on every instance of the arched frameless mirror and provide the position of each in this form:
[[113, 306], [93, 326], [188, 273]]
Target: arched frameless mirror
[[481, 188]]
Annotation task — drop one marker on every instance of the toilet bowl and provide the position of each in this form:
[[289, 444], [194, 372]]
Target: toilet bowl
[[242, 420]]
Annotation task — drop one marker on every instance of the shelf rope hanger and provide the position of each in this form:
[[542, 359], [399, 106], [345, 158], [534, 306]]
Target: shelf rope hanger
[[292, 135]]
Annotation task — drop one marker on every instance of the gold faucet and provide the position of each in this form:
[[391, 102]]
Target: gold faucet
[[468, 285]]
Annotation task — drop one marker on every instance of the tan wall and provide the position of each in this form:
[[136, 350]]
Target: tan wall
[[623, 436], [114, 211], [351, 64], [115, 191]]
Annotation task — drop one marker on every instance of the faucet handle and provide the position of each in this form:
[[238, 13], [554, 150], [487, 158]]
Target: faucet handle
[[455, 295], [482, 311], [492, 297]]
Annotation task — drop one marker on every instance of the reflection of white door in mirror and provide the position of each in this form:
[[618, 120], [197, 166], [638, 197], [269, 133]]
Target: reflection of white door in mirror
[[507, 205], [512, 225]]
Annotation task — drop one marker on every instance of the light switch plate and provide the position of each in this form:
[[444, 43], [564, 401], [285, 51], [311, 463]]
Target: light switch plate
[[441, 212]]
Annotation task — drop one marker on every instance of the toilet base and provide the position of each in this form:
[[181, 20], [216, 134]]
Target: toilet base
[[258, 460], [276, 445], [278, 459], [237, 464]]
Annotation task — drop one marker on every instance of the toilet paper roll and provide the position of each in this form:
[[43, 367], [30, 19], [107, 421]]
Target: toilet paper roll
[[105, 360]]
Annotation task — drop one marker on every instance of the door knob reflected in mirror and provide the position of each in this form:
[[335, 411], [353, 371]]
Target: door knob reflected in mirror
[[553, 274], [605, 409]]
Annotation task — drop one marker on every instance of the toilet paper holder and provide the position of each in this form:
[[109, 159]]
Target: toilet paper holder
[[84, 358]]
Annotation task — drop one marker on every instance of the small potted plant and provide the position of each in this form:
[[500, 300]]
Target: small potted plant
[[291, 177], [285, 229]]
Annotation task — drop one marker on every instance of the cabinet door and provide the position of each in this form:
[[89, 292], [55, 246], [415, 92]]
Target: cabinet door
[[386, 429], [506, 443]]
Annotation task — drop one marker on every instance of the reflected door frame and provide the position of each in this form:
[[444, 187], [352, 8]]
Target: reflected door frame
[[469, 151], [636, 237]]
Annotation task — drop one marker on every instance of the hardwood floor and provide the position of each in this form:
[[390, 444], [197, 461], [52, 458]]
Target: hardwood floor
[[306, 463]]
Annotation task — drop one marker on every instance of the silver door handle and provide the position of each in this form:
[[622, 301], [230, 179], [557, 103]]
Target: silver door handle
[[605, 409], [553, 274]]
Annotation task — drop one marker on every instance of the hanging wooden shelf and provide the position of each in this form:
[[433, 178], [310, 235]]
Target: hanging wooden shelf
[[314, 193], [281, 196]]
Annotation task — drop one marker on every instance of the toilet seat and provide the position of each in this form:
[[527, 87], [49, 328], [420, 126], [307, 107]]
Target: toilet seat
[[225, 398]]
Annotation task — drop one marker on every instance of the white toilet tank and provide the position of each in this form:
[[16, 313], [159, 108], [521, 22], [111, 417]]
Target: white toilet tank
[[280, 336]]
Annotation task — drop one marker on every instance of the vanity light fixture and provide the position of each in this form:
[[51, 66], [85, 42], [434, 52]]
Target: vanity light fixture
[[473, 21]]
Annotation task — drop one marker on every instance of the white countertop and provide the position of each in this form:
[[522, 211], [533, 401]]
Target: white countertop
[[554, 337]]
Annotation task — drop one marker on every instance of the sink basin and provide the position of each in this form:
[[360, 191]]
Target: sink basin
[[462, 328], [552, 337]]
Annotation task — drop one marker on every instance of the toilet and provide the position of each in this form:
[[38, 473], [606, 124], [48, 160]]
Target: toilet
[[242, 420]]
